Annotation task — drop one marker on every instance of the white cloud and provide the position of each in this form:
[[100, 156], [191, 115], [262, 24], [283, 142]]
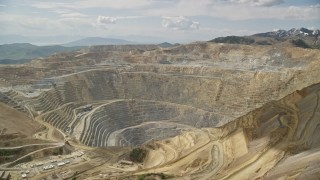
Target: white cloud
[[62, 11], [73, 15], [302, 13], [51, 5], [118, 4], [35, 24], [128, 17], [106, 20], [179, 23], [267, 3], [236, 11], [107, 17], [227, 9], [315, 6]]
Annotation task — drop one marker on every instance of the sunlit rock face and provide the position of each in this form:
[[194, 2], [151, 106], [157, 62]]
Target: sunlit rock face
[[277, 141]]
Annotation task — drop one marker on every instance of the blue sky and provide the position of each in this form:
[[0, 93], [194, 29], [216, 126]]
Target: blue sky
[[155, 20]]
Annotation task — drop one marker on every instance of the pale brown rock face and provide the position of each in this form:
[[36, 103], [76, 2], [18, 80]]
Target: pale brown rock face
[[202, 111]]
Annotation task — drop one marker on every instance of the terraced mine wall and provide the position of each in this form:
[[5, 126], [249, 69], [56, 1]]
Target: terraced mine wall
[[227, 92], [204, 92], [278, 140], [131, 122], [131, 104]]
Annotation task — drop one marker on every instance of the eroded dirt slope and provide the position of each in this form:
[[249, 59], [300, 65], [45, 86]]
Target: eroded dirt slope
[[279, 140], [13, 121]]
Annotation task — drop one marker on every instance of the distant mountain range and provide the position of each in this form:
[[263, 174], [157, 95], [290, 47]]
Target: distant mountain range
[[301, 37], [94, 41], [302, 32], [168, 45], [37, 40], [22, 52], [17, 53], [90, 41]]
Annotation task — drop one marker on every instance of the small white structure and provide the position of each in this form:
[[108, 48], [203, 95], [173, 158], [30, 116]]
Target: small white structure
[[61, 164], [23, 175], [48, 167], [125, 162], [39, 164], [81, 154], [67, 162]]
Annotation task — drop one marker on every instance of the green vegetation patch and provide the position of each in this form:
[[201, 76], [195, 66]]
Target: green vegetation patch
[[300, 43], [25, 52], [138, 155], [153, 176], [233, 40], [8, 152]]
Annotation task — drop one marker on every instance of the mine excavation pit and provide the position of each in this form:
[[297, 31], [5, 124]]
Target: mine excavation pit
[[207, 117]]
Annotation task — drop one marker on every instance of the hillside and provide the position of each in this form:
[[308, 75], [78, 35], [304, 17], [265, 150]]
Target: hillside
[[234, 40], [90, 41], [168, 45], [9, 117], [302, 37], [37, 40], [26, 51]]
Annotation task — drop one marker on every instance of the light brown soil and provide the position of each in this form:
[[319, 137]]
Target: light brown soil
[[15, 121]]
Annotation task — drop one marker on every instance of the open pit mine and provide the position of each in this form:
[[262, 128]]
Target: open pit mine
[[196, 111]]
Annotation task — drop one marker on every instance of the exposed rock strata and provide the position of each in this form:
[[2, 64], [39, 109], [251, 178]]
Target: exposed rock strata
[[213, 85]]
